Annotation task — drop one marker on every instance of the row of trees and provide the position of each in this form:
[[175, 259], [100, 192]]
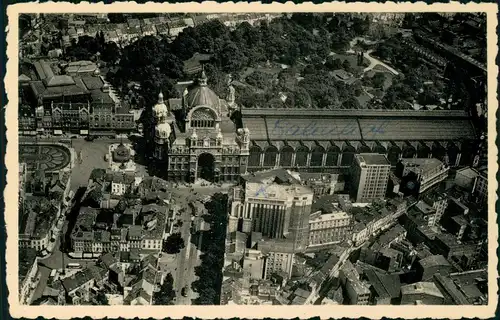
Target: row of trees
[[208, 286], [166, 295]]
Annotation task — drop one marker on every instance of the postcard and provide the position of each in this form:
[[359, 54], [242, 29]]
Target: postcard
[[251, 160]]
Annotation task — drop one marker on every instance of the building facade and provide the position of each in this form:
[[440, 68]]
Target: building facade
[[329, 228], [273, 203], [199, 140], [370, 176]]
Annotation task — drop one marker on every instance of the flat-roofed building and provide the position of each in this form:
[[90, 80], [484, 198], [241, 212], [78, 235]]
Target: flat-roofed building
[[273, 203], [370, 175], [420, 174], [279, 257], [481, 186]]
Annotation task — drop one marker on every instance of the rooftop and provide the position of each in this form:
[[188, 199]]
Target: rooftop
[[41, 90], [280, 176], [348, 127], [429, 288], [426, 164], [77, 280], [385, 285], [391, 234], [435, 260], [374, 159], [93, 83]]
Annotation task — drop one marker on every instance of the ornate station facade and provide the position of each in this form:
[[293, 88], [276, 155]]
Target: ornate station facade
[[200, 141], [197, 138]]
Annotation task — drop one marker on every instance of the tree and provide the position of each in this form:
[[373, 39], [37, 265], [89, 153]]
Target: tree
[[378, 80], [173, 244], [333, 63], [209, 272], [94, 197], [351, 103], [166, 295], [110, 53], [299, 98], [117, 18], [230, 58], [259, 79], [101, 299], [346, 65]]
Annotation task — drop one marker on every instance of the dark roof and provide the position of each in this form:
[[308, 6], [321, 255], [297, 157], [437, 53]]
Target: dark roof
[[412, 129], [109, 259], [93, 83], [446, 285], [391, 234], [39, 89], [325, 204], [435, 260], [77, 280], [384, 284]]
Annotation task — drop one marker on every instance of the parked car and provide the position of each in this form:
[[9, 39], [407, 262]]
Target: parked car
[[184, 292]]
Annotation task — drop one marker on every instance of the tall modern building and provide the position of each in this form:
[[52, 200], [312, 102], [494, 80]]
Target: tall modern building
[[369, 176], [273, 203]]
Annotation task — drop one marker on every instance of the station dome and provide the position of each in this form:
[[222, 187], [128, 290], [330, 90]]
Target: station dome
[[202, 95]]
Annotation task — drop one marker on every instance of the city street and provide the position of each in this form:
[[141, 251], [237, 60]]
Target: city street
[[184, 262]]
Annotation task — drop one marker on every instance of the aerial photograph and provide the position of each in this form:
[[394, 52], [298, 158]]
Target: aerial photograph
[[253, 159]]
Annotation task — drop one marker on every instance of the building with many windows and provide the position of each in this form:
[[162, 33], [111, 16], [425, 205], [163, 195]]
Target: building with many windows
[[273, 203], [194, 137], [327, 140], [420, 174], [209, 135], [329, 228], [369, 176]]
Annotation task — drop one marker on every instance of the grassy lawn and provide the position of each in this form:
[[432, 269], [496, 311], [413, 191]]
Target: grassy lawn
[[363, 100], [353, 60]]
